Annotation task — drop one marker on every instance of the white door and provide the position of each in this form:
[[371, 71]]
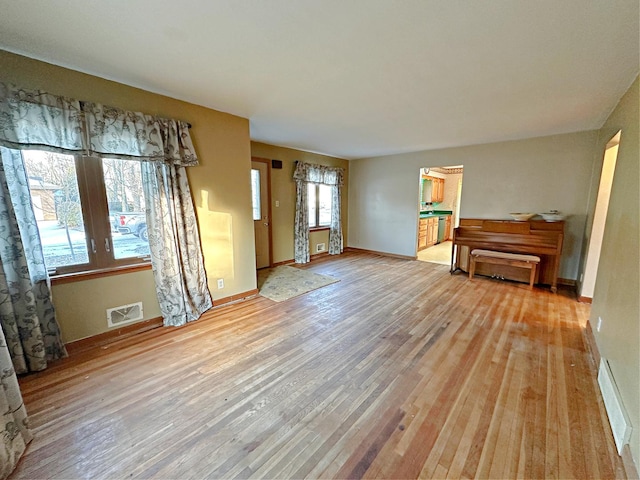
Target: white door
[[261, 217]]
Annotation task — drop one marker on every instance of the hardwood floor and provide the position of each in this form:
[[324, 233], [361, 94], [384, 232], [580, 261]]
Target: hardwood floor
[[399, 370]]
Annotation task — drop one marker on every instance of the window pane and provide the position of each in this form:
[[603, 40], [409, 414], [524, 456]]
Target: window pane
[[123, 184], [56, 203], [255, 194], [312, 203], [325, 205]]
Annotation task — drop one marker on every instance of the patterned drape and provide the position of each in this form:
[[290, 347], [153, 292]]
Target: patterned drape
[[335, 230], [304, 174], [14, 425], [116, 133], [29, 333], [27, 315], [41, 121], [36, 119], [301, 224], [178, 265]]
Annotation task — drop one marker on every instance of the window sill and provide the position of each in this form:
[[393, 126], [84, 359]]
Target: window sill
[[104, 272], [318, 229]]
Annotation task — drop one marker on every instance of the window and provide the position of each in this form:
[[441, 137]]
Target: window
[[255, 194], [90, 212], [319, 197]]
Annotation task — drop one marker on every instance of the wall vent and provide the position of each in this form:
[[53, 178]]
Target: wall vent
[[124, 314], [320, 247], [618, 418]]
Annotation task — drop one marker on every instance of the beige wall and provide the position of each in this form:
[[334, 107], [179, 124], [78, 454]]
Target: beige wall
[[283, 190], [220, 187], [616, 297], [533, 175]]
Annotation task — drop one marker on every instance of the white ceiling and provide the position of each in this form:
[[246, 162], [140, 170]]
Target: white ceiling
[[354, 78]]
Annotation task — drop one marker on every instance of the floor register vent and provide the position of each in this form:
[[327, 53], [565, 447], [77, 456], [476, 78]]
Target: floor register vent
[[618, 418], [124, 314]]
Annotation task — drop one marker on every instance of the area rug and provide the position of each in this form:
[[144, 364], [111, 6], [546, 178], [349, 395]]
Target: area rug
[[282, 283]]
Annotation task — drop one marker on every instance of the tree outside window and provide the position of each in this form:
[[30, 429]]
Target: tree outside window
[[319, 198], [89, 211]]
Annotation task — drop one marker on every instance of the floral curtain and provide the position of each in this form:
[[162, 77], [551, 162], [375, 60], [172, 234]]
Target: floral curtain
[[14, 425], [304, 174], [178, 265], [36, 119], [335, 230], [42, 121], [116, 133], [27, 316], [301, 224], [39, 120], [29, 333]]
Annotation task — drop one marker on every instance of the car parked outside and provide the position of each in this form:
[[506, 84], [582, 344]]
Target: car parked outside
[[130, 222]]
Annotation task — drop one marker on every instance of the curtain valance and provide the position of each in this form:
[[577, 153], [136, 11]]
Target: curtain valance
[[308, 172], [40, 120]]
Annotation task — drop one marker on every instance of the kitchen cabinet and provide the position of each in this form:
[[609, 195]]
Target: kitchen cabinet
[[447, 228], [422, 234], [432, 231], [437, 189], [427, 232]]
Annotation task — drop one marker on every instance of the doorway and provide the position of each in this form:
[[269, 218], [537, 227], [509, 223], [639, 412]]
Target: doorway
[[599, 219], [261, 206], [439, 212]]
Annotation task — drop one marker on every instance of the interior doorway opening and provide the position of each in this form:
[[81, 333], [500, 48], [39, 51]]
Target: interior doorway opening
[[599, 219], [439, 212]]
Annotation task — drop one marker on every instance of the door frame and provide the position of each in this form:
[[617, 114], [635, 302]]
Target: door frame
[[269, 212], [589, 274]]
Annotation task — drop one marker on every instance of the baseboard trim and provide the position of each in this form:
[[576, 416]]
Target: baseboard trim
[[111, 336], [285, 262], [384, 254], [234, 298], [592, 345], [315, 256], [585, 299]]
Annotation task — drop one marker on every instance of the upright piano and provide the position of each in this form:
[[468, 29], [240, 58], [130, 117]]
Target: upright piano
[[533, 237]]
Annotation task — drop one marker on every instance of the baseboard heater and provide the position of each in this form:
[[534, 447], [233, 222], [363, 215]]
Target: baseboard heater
[[618, 418]]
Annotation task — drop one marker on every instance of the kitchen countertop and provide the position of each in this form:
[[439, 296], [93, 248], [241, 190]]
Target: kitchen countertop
[[435, 213]]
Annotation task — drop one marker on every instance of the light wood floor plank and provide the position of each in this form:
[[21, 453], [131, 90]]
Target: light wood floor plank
[[400, 370]]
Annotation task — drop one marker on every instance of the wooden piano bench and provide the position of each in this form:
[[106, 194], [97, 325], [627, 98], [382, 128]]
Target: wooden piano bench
[[502, 258]]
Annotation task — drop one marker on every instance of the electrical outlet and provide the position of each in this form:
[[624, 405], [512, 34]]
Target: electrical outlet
[[599, 324], [220, 283], [277, 203], [320, 247]]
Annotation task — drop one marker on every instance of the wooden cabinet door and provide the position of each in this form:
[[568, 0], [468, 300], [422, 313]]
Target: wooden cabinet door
[[447, 228], [440, 190], [422, 233], [435, 230], [422, 242], [432, 231]]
